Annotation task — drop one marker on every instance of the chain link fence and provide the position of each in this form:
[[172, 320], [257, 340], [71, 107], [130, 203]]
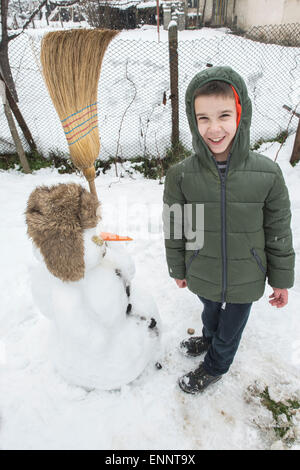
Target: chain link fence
[[282, 34], [134, 91]]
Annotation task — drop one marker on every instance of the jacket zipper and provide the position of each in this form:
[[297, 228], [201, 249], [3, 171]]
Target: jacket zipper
[[223, 222], [258, 260]]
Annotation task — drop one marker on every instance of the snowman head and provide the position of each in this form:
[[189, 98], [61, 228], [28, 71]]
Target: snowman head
[[59, 218]]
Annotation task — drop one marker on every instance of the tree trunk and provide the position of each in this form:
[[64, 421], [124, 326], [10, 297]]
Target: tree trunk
[[21, 121], [4, 61], [203, 13], [16, 139], [213, 15], [173, 60], [198, 6]]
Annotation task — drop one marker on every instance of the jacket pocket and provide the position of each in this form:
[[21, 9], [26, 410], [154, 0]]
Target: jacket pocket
[[191, 259], [258, 260]]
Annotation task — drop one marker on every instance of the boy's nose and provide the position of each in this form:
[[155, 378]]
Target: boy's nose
[[214, 127], [214, 131]]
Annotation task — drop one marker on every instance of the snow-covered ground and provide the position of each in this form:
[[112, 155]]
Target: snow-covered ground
[[39, 410]]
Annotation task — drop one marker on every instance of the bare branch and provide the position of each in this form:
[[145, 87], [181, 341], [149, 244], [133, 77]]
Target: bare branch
[[287, 129], [27, 22], [124, 114]]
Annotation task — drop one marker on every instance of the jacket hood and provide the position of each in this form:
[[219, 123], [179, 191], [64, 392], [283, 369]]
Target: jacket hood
[[241, 144]]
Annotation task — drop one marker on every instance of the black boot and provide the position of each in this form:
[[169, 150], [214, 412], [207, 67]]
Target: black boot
[[194, 346], [197, 381]]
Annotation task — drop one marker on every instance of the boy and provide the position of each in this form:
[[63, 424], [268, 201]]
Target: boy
[[247, 234]]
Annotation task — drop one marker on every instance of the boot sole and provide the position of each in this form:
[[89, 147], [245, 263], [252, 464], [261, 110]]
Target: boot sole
[[195, 392]]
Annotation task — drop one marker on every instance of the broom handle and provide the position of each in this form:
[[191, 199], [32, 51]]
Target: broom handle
[[93, 188]]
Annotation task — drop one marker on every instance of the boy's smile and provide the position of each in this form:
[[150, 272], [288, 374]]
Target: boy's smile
[[216, 119]]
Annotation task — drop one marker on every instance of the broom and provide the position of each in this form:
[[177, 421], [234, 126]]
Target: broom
[[71, 63]]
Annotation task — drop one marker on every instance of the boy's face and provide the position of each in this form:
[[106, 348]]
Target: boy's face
[[216, 118]]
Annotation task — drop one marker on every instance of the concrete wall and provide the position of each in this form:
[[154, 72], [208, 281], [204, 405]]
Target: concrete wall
[[264, 12], [291, 12]]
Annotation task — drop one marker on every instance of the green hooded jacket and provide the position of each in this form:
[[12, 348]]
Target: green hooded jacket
[[247, 234]]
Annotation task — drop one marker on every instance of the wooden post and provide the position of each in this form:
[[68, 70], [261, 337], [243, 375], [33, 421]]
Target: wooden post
[[203, 14], [60, 18], [173, 58], [197, 21], [13, 130], [17, 113], [157, 12], [296, 149]]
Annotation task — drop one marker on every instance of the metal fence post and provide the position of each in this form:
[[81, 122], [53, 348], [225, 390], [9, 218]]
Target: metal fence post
[[173, 60]]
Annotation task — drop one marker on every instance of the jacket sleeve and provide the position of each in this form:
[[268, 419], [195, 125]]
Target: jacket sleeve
[[278, 235], [173, 217]]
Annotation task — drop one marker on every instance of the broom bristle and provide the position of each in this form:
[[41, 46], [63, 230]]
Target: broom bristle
[[71, 63]]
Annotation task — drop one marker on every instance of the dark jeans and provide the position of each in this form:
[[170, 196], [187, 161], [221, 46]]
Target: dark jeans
[[224, 330]]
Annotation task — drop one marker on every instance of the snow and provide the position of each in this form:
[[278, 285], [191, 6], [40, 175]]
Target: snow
[[40, 410], [149, 4], [172, 24]]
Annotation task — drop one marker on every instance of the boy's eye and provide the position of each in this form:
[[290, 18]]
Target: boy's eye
[[225, 115]]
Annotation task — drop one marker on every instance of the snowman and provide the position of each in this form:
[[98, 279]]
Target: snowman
[[104, 325]]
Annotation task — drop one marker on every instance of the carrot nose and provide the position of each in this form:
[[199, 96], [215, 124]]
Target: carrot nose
[[113, 237]]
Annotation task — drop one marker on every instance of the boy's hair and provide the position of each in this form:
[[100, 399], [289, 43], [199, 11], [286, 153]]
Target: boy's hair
[[216, 87]]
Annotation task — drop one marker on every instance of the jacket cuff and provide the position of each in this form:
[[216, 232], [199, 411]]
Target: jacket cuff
[[177, 272], [281, 279]]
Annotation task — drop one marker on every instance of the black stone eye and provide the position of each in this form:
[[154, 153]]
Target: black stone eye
[[129, 307], [152, 323]]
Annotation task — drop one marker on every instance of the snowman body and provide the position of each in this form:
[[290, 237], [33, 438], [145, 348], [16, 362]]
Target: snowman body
[[104, 327]]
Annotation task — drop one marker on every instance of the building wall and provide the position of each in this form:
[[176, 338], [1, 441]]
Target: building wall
[[291, 13], [266, 12]]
